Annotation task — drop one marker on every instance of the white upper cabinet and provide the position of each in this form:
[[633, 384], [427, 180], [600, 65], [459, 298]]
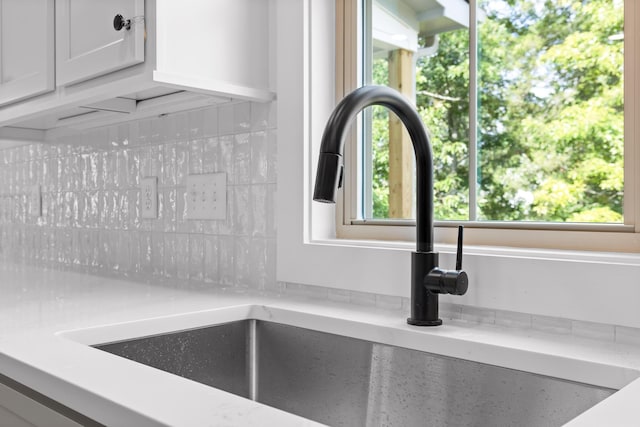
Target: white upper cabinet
[[88, 45], [174, 56], [26, 48]]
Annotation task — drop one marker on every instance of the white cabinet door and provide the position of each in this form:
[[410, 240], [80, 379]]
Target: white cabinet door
[[18, 410], [26, 48], [88, 45]]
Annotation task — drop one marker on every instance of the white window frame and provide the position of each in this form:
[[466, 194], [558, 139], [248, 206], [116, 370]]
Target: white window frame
[[549, 235], [582, 285]]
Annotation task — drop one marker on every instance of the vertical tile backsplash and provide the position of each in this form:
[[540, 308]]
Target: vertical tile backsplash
[[91, 213]]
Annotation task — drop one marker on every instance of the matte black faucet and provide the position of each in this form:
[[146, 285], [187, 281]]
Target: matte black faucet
[[427, 280]]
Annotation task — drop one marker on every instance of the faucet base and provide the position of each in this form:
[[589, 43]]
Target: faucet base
[[418, 322], [424, 302]]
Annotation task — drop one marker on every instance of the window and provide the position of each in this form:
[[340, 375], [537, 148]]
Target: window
[[514, 279], [525, 104]]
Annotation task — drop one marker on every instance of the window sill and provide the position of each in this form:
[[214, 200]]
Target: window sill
[[614, 258], [506, 225], [586, 286], [600, 238]]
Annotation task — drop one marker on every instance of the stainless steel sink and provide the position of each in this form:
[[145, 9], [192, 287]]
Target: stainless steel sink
[[343, 381]]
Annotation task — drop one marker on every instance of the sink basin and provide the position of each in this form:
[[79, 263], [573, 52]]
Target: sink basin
[[343, 381]]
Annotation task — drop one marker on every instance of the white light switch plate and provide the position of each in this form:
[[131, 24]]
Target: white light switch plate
[[35, 201], [207, 196], [149, 197]]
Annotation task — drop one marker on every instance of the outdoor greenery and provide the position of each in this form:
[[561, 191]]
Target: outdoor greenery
[[550, 117]]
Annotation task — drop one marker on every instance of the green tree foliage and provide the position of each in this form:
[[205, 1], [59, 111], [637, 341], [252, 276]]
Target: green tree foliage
[[550, 117], [380, 146], [442, 95]]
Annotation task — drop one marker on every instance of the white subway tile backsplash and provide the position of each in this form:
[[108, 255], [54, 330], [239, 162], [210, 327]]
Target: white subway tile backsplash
[[182, 224], [196, 149], [477, 315], [363, 298], [183, 261], [259, 165], [211, 251], [271, 284], [157, 254], [210, 227], [241, 217], [242, 159], [257, 263], [91, 198], [170, 262], [170, 167], [210, 122], [272, 154], [146, 248], [181, 122], [339, 295], [226, 121], [305, 291], [210, 153], [447, 311], [242, 263], [169, 209], [388, 302], [513, 319], [625, 335], [225, 157], [226, 260], [182, 162], [196, 257], [551, 324], [241, 117], [260, 115], [225, 226], [196, 124], [596, 331], [195, 226], [257, 207], [167, 125], [156, 156], [157, 131], [271, 210], [133, 136]]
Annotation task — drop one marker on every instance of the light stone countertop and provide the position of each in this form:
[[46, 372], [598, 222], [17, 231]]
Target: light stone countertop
[[47, 318]]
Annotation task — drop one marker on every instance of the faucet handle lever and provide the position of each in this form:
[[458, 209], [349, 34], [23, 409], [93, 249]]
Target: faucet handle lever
[[459, 251], [453, 282]]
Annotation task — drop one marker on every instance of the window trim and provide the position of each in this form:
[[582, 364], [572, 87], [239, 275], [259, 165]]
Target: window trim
[[567, 284], [572, 236]]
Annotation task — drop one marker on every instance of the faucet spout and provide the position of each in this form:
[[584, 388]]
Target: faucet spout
[[330, 163], [427, 279]]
